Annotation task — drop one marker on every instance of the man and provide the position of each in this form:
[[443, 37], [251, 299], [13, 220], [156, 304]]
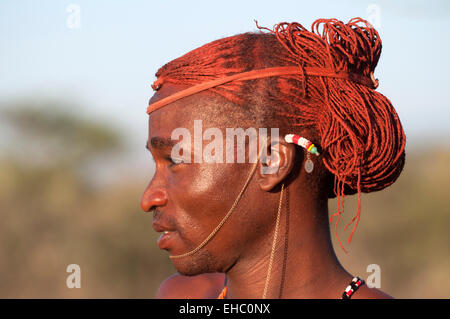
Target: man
[[264, 222]]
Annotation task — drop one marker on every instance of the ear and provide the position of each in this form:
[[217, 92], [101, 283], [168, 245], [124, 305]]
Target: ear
[[277, 166]]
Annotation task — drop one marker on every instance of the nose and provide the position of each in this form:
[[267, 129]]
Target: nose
[[153, 198]]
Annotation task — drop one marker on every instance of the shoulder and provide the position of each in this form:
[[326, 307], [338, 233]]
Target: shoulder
[[366, 292], [204, 286]]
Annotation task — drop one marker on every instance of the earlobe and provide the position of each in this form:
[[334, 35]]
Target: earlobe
[[276, 167]]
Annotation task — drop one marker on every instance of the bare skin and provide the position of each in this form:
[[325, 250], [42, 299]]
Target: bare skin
[[191, 199], [209, 286], [204, 286]]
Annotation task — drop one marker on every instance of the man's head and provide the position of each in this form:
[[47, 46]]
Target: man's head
[[190, 199], [357, 129]]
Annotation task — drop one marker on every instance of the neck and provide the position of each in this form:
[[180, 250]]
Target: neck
[[304, 264]]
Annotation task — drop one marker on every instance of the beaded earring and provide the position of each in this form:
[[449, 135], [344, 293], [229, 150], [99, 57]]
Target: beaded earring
[[308, 146]]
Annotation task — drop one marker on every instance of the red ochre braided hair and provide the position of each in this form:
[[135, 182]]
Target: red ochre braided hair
[[361, 138]]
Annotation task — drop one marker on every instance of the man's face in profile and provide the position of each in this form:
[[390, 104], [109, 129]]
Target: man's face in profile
[[188, 200]]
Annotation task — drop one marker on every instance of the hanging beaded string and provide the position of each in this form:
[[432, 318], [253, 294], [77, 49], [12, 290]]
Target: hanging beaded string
[[286, 245], [274, 242]]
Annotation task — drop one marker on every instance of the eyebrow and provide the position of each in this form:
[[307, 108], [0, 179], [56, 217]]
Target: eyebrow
[[160, 142]]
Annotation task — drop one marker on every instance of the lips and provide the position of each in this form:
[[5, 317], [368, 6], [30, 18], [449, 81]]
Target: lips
[[168, 233], [159, 228], [165, 240]]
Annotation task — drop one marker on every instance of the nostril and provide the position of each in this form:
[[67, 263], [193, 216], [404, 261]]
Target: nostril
[[151, 200], [154, 211]]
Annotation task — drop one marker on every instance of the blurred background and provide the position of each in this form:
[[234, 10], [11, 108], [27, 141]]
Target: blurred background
[[74, 84]]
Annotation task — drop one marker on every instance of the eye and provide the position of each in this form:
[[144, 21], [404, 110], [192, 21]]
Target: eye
[[173, 161]]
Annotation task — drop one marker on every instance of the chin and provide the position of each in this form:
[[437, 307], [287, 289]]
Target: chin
[[199, 263]]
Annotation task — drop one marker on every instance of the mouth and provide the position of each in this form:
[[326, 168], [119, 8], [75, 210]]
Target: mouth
[[166, 238]]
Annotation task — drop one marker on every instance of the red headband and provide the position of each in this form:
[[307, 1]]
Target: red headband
[[256, 74]]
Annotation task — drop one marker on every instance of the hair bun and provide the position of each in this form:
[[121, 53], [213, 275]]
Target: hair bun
[[353, 47]]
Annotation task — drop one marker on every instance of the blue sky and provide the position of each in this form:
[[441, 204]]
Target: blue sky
[[107, 65]]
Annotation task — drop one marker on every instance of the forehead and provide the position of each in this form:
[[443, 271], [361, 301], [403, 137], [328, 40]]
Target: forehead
[[182, 113]]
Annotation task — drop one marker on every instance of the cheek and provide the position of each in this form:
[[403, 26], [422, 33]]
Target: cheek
[[204, 180], [202, 194]]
